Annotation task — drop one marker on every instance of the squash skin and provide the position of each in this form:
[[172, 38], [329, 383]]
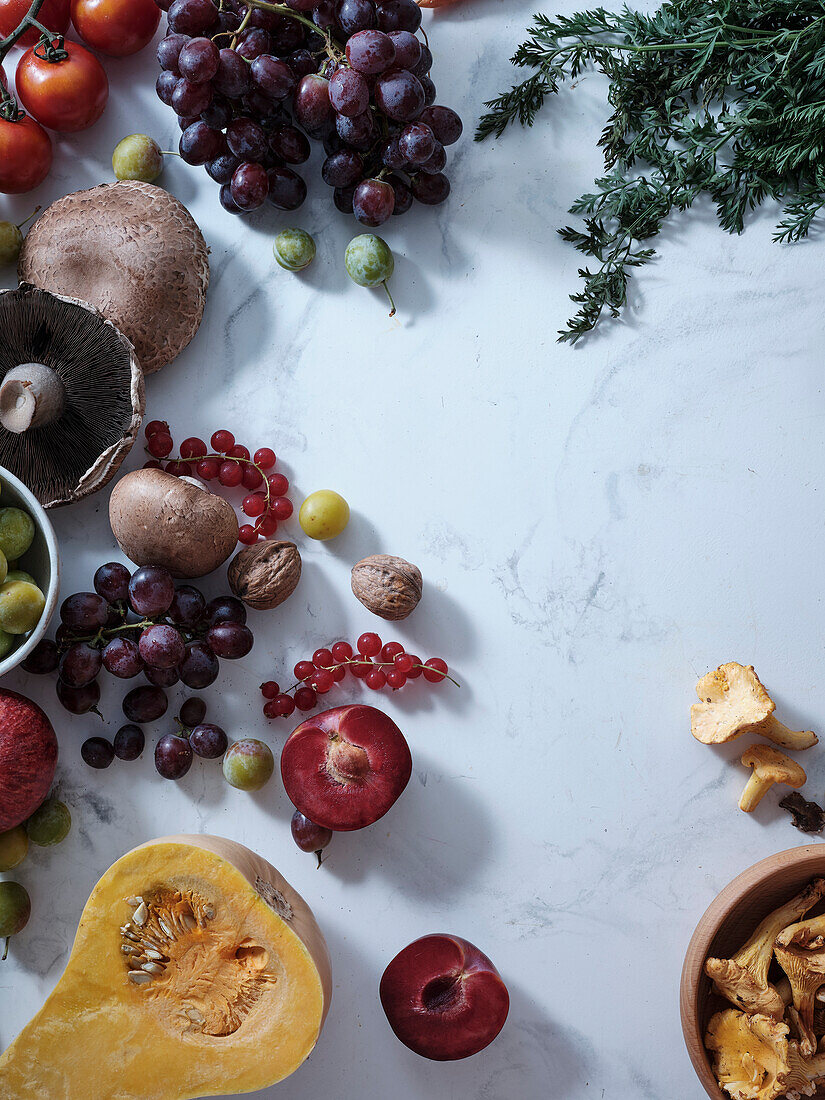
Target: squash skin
[[93, 1040]]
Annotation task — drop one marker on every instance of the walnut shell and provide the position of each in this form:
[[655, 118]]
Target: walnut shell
[[387, 586], [266, 574]]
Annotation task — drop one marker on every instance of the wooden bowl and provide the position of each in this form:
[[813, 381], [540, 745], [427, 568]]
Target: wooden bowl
[[728, 923]]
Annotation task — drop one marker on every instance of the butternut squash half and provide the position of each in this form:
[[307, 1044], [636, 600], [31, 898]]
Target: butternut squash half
[[196, 971]]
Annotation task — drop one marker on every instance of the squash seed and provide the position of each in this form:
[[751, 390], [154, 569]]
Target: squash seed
[[139, 977], [152, 968], [140, 914]]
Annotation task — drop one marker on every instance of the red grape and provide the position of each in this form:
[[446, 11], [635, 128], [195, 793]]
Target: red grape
[[308, 836], [161, 646], [373, 202], [399, 95], [349, 93], [198, 60], [444, 123], [199, 667], [145, 704], [173, 754], [233, 77], [431, 190], [111, 581], [129, 742], [121, 657], [151, 590], [230, 640], [97, 752], [84, 611], [80, 664], [208, 741], [249, 189], [370, 52]]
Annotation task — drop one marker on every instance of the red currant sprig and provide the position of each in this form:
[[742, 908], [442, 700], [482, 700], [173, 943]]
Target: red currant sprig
[[230, 464], [378, 665]]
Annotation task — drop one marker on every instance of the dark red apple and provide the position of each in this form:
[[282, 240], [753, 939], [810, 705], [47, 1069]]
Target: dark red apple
[[28, 757], [343, 769], [443, 997]]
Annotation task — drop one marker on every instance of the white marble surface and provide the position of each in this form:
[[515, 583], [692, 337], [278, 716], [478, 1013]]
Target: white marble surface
[[597, 527]]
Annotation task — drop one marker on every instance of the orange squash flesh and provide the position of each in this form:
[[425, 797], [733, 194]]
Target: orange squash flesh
[[239, 993]]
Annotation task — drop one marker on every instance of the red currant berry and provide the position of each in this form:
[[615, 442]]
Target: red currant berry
[[415, 669], [247, 534], [264, 457], [322, 658], [230, 474], [193, 448], [322, 681], [435, 670], [278, 485], [303, 670], [270, 689], [376, 679], [208, 469], [341, 651], [339, 673], [362, 668], [390, 651], [404, 662], [396, 679], [281, 508], [252, 478], [179, 469], [266, 525], [222, 441], [153, 464], [369, 645], [155, 426], [254, 505], [282, 707], [238, 451], [159, 445], [305, 698]]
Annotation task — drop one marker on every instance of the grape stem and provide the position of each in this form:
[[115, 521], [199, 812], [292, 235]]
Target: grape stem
[[106, 633], [334, 49]]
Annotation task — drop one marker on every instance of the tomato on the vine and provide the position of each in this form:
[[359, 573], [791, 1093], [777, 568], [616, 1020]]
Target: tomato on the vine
[[116, 27], [66, 95], [25, 155], [54, 14]]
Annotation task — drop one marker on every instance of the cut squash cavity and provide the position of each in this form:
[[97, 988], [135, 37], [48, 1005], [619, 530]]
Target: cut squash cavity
[[196, 971]]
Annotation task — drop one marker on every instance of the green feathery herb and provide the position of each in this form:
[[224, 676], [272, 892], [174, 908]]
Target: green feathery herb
[[718, 97]]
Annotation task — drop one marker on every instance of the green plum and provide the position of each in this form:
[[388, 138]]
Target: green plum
[[369, 262], [248, 764], [137, 157], [15, 910], [49, 824], [21, 605], [16, 532], [14, 844], [17, 575], [8, 642], [11, 241], [294, 249]]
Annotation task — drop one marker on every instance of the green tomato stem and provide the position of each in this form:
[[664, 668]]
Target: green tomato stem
[[28, 20]]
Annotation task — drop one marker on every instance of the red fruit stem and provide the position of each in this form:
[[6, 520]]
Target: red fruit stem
[[221, 458]]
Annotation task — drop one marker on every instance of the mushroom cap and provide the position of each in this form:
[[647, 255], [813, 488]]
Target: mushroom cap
[[135, 253], [733, 701], [751, 1054], [80, 451], [160, 519], [775, 765]]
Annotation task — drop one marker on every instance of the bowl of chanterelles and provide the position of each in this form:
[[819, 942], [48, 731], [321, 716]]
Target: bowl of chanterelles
[[753, 983]]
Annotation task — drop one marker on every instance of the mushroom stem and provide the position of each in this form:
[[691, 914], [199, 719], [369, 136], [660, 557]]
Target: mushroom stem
[[755, 790], [787, 738], [31, 395]]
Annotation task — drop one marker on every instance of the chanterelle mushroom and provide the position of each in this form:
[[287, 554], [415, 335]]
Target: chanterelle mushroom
[[753, 1059], [769, 766], [743, 979], [71, 394], [733, 702], [800, 951], [135, 253]]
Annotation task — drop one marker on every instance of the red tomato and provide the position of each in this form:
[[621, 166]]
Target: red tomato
[[66, 95], [116, 27], [54, 14], [25, 155]]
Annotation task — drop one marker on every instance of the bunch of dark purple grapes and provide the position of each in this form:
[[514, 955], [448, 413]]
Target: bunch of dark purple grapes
[[252, 81], [135, 623]]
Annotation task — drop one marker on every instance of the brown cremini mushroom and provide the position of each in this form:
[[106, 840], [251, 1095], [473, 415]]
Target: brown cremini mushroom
[[71, 395], [135, 253], [769, 766], [160, 519], [733, 702]]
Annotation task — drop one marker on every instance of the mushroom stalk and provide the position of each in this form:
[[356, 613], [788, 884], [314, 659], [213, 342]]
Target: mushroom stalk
[[786, 738], [755, 790], [31, 395]]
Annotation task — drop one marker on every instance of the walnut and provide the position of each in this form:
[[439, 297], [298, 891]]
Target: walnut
[[266, 574], [387, 586]]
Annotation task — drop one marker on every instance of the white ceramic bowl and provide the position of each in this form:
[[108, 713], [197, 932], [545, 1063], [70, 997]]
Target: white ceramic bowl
[[42, 560]]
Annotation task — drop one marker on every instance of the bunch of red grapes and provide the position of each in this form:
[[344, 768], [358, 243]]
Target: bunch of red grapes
[[379, 665], [251, 82], [140, 622], [232, 466]]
